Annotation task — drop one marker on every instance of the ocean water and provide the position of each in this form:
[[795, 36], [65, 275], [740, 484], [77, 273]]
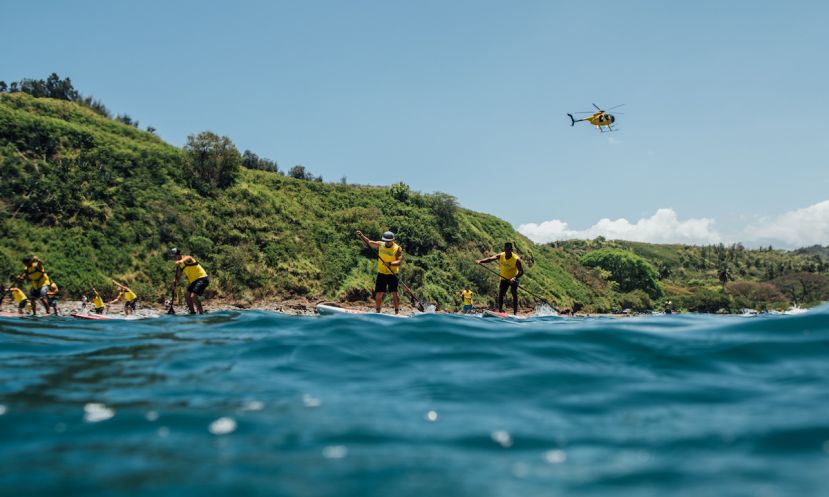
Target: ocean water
[[257, 403]]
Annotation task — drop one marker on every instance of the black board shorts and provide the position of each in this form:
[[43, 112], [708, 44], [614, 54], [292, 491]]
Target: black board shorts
[[385, 283], [505, 284], [39, 293], [130, 304], [199, 286]]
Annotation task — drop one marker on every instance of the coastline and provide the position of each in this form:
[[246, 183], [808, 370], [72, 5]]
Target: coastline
[[293, 307]]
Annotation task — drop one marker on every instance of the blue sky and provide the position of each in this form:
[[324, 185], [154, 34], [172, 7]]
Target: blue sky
[[723, 124]]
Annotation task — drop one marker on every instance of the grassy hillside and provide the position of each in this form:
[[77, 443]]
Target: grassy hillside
[[98, 199]]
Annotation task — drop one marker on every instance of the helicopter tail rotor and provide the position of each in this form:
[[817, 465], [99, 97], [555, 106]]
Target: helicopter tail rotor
[[572, 120]]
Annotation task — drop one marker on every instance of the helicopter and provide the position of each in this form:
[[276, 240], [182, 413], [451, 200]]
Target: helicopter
[[601, 119]]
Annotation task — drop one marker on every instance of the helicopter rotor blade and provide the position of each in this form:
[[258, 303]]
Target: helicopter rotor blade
[[597, 107], [616, 107]]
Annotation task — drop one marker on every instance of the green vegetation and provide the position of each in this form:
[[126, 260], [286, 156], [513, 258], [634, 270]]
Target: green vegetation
[[719, 278], [97, 199], [626, 269]]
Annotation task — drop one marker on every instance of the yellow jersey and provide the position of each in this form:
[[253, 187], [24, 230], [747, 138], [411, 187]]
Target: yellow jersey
[[387, 255], [467, 297], [192, 270], [129, 295], [98, 302], [509, 267], [18, 295], [37, 275]]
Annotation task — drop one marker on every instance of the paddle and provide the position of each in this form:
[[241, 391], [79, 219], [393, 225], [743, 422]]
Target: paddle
[[540, 299], [171, 310], [408, 291]]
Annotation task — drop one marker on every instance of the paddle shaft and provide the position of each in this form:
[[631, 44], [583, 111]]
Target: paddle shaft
[[171, 310]]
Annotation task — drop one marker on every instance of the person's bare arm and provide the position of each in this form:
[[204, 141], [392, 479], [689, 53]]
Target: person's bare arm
[[364, 238], [520, 270], [487, 259]]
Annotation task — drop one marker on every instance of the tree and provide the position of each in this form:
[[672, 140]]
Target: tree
[[445, 208], [803, 288], [724, 273], [253, 161], [299, 172], [213, 161], [400, 191], [627, 269], [123, 118], [754, 295]]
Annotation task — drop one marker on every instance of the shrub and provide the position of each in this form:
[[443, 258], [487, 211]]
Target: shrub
[[212, 161], [627, 269]]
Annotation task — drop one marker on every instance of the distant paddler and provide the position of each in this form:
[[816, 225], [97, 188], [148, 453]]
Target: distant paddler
[[389, 258], [20, 299], [98, 301], [40, 281], [466, 296], [196, 277], [52, 297], [510, 270], [130, 298]]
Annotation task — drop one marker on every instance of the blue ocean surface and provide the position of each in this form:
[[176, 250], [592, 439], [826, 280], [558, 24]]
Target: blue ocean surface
[[258, 403]]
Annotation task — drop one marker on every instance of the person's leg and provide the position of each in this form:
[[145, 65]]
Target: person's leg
[[188, 299], [44, 298], [396, 298], [197, 302], [502, 290], [380, 285], [515, 298]]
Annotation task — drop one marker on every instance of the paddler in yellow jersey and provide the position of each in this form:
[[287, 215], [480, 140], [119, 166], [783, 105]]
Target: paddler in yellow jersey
[[466, 295], [40, 282], [52, 297], [196, 277], [510, 270], [130, 298], [389, 258], [19, 298], [98, 302]]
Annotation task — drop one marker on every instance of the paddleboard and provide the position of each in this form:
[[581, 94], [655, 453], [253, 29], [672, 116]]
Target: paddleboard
[[495, 314], [329, 310], [95, 317], [11, 314]]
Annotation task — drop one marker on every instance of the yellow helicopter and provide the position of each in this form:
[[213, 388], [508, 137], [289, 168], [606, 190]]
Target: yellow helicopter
[[601, 119]]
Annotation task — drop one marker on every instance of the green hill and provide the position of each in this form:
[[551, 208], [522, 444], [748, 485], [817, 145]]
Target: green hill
[[99, 199]]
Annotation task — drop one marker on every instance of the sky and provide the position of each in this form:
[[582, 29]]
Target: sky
[[722, 136]]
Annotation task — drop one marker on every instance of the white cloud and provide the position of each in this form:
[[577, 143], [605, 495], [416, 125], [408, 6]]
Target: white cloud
[[797, 228], [663, 227]]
